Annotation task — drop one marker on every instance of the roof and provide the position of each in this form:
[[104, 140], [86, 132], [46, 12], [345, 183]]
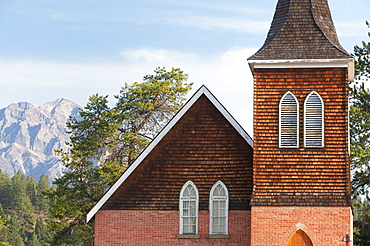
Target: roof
[[301, 29], [202, 92]]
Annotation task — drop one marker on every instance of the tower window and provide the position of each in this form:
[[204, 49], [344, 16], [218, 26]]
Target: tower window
[[288, 121], [189, 199], [313, 121]]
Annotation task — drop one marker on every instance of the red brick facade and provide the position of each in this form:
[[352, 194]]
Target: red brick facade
[[273, 226], [145, 228]]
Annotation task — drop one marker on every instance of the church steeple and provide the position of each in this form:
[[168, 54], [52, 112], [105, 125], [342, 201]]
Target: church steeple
[[301, 29]]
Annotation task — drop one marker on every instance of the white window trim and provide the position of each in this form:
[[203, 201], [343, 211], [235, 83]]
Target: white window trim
[[211, 198], [322, 121], [181, 206], [280, 128]]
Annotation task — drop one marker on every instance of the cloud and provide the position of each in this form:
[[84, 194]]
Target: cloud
[[227, 75]]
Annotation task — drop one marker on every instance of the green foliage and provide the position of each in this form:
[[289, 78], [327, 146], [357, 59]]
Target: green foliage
[[3, 227], [104, 141], [17, 222], [361, 222], [360, 122], [360, 144], [362, 56], [16, 232]]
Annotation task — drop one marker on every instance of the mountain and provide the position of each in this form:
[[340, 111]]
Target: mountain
[[29, 135]]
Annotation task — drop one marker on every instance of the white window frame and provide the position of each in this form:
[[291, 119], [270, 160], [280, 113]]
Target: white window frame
[[181, 206], [213, 198], [306, 145], [281, 144]]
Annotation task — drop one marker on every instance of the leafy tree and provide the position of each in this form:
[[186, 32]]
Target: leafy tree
[[103, 142]]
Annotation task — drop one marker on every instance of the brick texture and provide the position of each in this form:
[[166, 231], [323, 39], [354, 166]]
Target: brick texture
[[202, 147], [302, 176], [145, 228], [273, 226]]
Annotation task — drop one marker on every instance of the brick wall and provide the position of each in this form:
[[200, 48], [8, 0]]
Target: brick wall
[[134, 227], [273, 226]]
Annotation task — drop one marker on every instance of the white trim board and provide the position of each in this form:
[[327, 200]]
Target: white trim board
[[201, 91], [306, 63]]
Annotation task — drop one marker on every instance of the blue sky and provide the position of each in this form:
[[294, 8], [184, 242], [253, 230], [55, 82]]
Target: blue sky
[[51, 49]]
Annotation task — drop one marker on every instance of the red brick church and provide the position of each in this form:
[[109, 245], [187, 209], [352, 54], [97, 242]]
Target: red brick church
[[204, 181]]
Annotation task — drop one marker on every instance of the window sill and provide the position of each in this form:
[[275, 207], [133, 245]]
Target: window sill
[[218, 236], [188, 236]]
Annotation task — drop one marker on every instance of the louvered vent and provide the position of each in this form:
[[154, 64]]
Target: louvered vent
[[288, 123], [313, 121]]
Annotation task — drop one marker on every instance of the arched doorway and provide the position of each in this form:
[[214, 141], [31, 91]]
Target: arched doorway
[[300, 238]]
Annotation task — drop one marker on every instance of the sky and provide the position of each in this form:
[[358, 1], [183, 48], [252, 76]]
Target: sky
[[72, 49]]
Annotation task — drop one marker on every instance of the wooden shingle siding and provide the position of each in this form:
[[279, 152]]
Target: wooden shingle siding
[[303, 176], [202, 147]]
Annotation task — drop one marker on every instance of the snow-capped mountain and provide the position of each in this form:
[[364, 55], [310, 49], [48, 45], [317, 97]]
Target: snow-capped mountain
[[29, 135]]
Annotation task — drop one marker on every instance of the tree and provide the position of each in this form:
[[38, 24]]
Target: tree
[[3, 228], [104, 141], [42, 202], [360, 121], [360, 144], [16, 232]]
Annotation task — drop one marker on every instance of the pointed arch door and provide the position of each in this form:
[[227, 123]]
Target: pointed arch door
[[299, 238]]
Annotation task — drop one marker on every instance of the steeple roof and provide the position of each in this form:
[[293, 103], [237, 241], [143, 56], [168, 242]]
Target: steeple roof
[[301, 29]]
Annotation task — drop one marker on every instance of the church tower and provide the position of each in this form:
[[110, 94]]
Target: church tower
[[301, 166]]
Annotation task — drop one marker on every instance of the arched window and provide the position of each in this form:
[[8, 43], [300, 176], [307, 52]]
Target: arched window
[[219, 207], [189, 199], [288, 121], [313, 121]]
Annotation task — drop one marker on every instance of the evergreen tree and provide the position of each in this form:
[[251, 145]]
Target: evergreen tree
[[360, 144], [104, 142], [21, 201], [3, 228], [360, 121], [42, 202], [42, 232], [16, 232], [5, 190]]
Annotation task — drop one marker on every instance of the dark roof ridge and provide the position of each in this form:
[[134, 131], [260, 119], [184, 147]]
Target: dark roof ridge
[[286, 21]]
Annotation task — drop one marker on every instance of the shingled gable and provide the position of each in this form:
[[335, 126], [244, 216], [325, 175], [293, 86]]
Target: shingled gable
[[202, 92], [302, 31]]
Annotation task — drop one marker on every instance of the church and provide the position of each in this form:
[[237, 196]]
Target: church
[[204, 181]]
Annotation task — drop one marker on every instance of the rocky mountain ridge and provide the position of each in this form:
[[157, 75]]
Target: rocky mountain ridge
[[29, 136]]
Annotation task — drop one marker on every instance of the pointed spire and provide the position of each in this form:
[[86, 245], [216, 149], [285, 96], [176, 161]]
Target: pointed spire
[[301, 29]]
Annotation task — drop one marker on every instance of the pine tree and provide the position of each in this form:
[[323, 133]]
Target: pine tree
[[360, 144], [42, 202], [3, 228], [16, 232], [5, 190], [104, 142]]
